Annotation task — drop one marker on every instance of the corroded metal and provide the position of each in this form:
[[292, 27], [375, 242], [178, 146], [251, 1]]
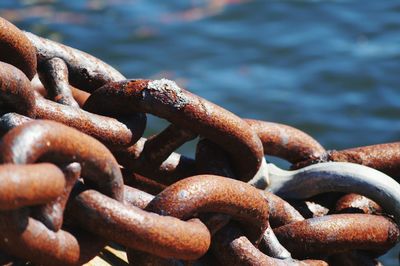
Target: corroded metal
[[208, 193], [85, 71], [55, 142], [280, 211], [285, 141], [338, 233], [109, 130], [28, 185], [165, 99], [51, 214], [132, 227], [244, 225], [351, 203], [231, 247], [10, 120], [383, 157], [28, 238], [16, 49], [53, 73], [174, 168], [337, 177], [16, 94]]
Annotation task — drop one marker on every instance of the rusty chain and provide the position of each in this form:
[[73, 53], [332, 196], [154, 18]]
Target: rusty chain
[[77, 174]]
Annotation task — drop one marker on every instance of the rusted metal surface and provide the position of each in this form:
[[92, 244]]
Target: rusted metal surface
[[29, 184], [357, 203], [165, 99], [10, 120], [55, 142], [310, 209], [285, 141], [136, 197], [16, 49], [51, 214], [109, 130], [208, 193], [272, 247], [231, 247], [383, 157], [337, 177], [132, 227], [174, 168], [29, 239], [338, 233], [143, 183], [201, 194], [85, 71], [80, 96], [53, 73], [158, 148], [16, 94], [280, 211], [100, 180]]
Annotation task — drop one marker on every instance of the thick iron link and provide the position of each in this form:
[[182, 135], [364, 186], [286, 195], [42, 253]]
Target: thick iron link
[[16, 49], [313, 237], [383, 157], [165, 99]]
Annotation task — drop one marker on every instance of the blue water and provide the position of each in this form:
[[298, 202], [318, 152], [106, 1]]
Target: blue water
[[330, 68]]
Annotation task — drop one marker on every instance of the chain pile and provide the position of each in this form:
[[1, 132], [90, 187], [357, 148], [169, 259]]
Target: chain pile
[[76, 174]]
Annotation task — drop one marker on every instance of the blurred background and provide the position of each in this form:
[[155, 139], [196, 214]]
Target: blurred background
[[329, 68]]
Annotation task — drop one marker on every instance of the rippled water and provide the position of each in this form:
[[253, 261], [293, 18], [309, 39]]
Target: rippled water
[[330, 68]]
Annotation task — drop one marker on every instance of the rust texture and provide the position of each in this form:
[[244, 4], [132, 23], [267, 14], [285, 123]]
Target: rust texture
[[85, 71], [208, 193], [285, 141], [280, 211], [383, 157], [10, 120], [53, 73], [29, 239], [28, 185], [271, 246], [80, 96], [231, 247], [338, 233], [108, 130], [136, 197], [157, 149], [164, 236], [174, 168], [165, 99], [55, 142], [357, 203], [16, 49], [16, 94], [88, 178], [141, 182], [51, 214]]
